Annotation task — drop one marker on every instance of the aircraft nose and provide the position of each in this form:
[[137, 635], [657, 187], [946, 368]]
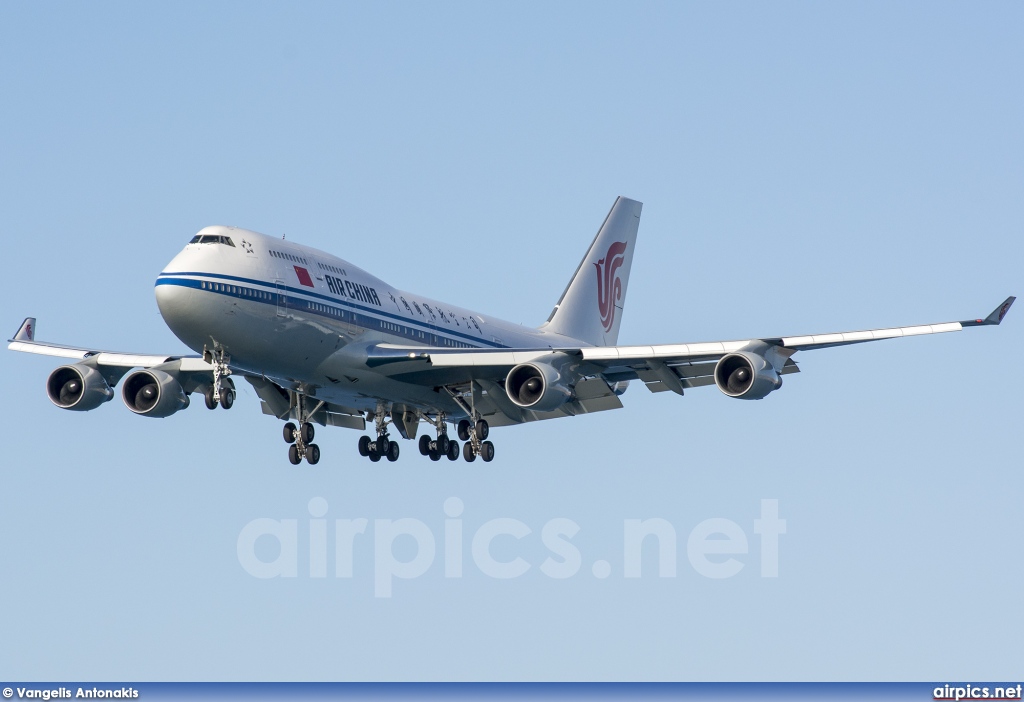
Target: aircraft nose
[[172, 299]]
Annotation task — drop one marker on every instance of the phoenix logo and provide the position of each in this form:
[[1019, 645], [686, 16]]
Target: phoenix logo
[[1003, 309], [609, 283]]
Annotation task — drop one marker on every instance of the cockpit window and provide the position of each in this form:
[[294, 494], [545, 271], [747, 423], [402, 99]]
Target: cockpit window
[[211, 239]]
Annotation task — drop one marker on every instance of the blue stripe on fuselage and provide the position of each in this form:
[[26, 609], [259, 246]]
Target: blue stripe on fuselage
[[356, 316]]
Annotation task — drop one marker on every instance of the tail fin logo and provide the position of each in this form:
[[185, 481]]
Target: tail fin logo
[[609, 283], [1003, 310]]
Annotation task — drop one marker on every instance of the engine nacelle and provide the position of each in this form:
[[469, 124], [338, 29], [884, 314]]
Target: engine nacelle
[[78, 388], [153, 393], [540, 385], [746, 376]]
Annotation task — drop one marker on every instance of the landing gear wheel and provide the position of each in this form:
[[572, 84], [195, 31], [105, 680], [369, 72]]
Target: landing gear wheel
[[453, 450], [393, 451], [482, 430], [442, 444], [487, 451], [210, 402], [293, 455], [364, 446], [424, 445], [467, 453], [383, 445], [307, 432], [289, 433], [227, 399], [312, 454], [463, 429], [374, 456], [435, 456]]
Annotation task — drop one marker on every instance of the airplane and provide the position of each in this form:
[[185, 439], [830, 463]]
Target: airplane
[[325, 343]]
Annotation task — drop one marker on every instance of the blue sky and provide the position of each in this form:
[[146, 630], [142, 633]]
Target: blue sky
[[804, 168]]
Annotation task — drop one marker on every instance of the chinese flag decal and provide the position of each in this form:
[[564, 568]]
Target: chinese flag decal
[[303, 276]]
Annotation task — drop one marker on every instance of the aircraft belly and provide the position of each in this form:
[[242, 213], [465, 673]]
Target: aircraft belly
[[344, 374]]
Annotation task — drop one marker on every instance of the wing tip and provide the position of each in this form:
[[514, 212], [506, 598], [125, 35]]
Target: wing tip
[[994, 318], [27, 330]]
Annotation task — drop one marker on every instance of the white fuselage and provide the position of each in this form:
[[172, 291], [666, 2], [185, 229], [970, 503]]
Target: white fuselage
[[305, 318]]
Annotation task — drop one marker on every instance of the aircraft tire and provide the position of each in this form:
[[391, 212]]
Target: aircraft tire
[[293, 455], [393, 451], [289, 433], [210, 402], [453, 450], [487, 451], [307, 432], [364, 445], [463, 429], [374, 456], [482, 429], [424, 445], [467, 452], [312, 454], [227, 399]]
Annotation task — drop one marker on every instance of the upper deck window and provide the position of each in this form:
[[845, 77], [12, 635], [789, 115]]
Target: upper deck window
[[289, 257], [211, 239]]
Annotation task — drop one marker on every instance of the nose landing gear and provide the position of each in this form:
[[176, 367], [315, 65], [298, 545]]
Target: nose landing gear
[[222, 392]]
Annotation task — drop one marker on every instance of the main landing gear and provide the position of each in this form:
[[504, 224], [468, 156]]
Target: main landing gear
[[442, 445], [301, 437], [382, 447], [474, 430], [302, 446], [475, 435]]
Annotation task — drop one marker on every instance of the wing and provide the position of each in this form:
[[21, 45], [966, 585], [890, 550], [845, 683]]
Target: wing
[[662, 367], [192, 373], [25, 341]]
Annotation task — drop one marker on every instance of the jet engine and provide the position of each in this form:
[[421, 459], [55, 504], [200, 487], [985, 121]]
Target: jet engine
[[540, 385], [78, 388], [746, 375], [153, 393]]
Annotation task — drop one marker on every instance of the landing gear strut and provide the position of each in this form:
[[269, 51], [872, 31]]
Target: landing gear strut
[[222, 392]]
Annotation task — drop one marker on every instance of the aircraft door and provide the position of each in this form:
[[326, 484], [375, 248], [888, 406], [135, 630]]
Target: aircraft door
[[282, 298]]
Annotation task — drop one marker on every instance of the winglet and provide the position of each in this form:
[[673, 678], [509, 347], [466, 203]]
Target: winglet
[[995, 318], [27, 330]]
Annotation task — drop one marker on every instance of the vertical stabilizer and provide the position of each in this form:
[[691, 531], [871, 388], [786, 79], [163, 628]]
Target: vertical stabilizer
[[590, 309]]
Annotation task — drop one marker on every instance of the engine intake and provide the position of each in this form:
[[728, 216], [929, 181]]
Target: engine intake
[[538, 385], [746, 376], [78, 387], [153, 393]]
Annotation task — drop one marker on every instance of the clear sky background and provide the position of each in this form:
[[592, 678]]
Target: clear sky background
[[804, 167]]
